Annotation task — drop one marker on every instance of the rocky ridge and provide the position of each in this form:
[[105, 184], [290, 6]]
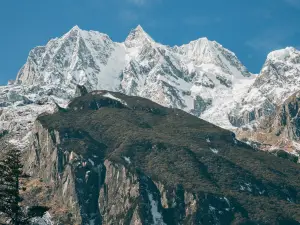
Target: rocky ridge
[[279, 131], [195, 77], [278, 80]]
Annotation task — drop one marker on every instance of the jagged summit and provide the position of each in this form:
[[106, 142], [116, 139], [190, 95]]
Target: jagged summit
[[139, 28], [278, 79], [76, 27], [75, 58], [138, 37], [202, 51], [139, 66], [284, 54], [201, 77], [74, 31]]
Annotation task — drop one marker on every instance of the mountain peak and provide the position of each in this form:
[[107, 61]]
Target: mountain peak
[[73, 32], [204, 39], [137, 37], [283, 54], [75, 28], [202, 42], [139, 28]]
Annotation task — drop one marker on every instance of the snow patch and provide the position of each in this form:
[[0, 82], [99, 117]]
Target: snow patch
[[92, 162], [157, 217], [45, 220], [214, 150], [246, 186], [108, 95], [127, 159]]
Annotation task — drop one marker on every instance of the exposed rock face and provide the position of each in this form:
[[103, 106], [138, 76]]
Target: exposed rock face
[[279, 131], [110, 162], [46, 161], [286, 123], [278, 80]]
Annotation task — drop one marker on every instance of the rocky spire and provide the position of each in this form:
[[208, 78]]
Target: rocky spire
[[138, 37]]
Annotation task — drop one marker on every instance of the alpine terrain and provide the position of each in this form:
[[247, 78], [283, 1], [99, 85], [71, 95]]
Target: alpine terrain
[[135, 132]]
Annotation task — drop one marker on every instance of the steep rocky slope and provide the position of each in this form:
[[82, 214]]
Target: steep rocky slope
[[278, 80], [281, 131], [114, 159]]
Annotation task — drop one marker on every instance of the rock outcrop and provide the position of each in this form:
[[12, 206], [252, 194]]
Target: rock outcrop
[[281, 131]]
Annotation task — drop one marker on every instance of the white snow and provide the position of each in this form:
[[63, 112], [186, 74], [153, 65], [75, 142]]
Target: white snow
[[108, 95], [211, 208], [214, 150], [127, 159], [262, 192], [92, 162], [157, 217], [246, 186], [281, 54], [277, 81], [45, 220]]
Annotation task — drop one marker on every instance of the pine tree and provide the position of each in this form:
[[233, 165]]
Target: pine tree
[[4, 201], [13, 160], [10, 186], [11, 172]]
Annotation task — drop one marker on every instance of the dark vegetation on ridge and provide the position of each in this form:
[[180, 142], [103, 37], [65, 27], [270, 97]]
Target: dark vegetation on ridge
[[178, 149]]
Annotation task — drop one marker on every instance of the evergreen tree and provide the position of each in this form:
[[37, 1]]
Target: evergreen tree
[[4, 199], [10, 199]]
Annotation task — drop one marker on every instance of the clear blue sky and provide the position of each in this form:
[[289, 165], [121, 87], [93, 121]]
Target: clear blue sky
[[250, 28]]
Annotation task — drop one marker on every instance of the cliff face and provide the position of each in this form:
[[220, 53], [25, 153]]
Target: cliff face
[[45, 161], [109, 192], [287, 120], [280, 131], [277, 81], [114, 159]]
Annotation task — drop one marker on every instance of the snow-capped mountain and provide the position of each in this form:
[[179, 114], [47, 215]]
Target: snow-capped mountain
[[201, 77], [280, 131], [78, 57], [278, 80], [196, 77]]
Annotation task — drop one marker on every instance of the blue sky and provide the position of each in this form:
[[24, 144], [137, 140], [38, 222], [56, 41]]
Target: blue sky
[[250, 28]]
